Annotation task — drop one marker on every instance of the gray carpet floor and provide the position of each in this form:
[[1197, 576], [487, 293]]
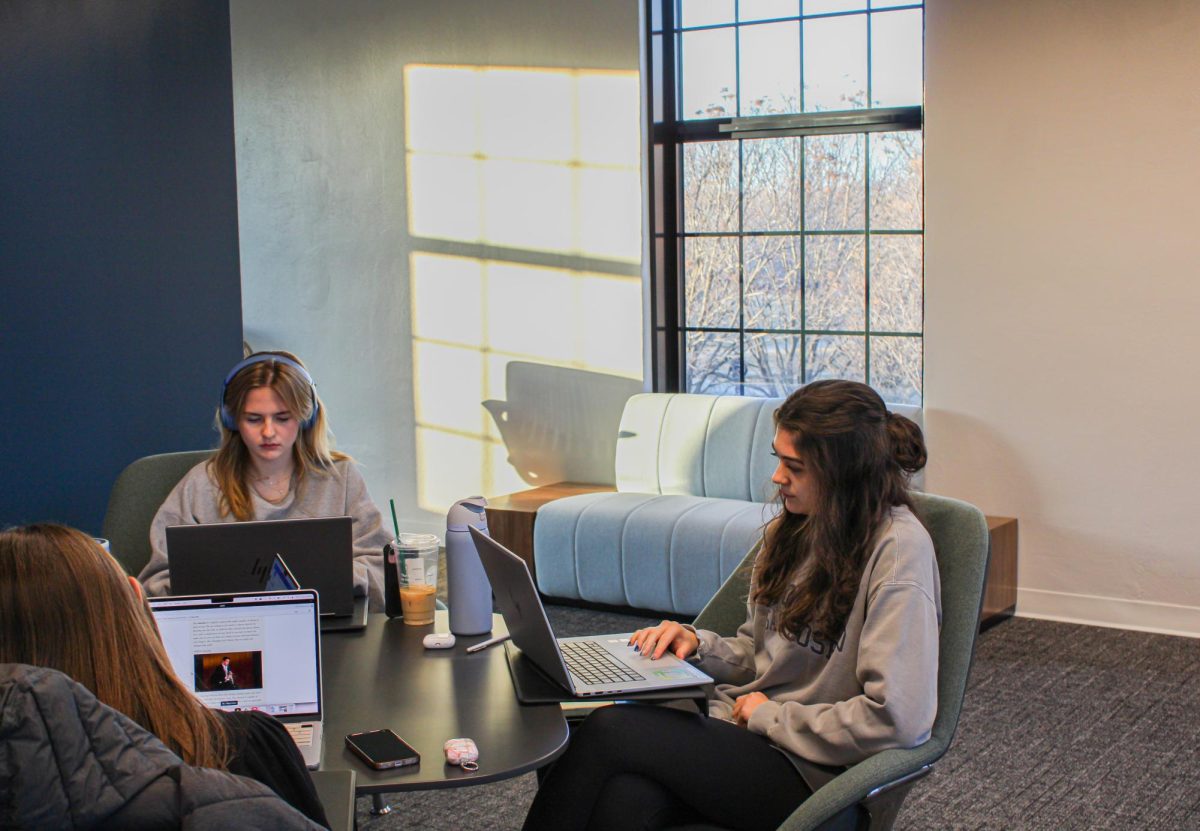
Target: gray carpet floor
[[1064, 727]]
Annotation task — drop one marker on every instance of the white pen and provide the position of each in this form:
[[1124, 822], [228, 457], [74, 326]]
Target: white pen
[[489, 642]]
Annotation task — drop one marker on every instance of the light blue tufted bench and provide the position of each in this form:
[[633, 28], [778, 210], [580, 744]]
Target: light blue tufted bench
[[693, 476]]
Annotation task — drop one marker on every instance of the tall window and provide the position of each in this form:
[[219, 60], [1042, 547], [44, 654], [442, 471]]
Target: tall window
[[786, 194]]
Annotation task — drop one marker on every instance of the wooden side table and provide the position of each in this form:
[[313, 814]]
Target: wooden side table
[[1000, 590], [511, 519]]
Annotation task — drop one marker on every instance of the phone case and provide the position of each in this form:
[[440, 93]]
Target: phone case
[[386, 763]]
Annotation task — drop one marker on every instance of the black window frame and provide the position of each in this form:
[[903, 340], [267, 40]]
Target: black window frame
[[668, 134]]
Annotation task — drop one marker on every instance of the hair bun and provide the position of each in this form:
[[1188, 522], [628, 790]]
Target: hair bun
[[908, 444]]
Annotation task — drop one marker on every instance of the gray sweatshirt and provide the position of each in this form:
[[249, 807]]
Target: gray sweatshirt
[[875, 689], [338, 492]]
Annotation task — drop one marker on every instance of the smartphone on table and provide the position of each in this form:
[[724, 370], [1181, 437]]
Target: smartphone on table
[[382, 749]]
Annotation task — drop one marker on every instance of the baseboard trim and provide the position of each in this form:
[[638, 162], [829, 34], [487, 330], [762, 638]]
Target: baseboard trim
[[1110, 612]]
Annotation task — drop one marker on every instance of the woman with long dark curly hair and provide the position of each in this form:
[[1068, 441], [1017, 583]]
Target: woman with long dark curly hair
[[836, 661]]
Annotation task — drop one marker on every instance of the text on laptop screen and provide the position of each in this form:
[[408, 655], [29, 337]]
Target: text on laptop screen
[[249, 652]]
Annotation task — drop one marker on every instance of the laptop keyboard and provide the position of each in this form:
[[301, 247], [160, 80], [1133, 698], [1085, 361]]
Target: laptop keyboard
[[591, 663], [302, 734]]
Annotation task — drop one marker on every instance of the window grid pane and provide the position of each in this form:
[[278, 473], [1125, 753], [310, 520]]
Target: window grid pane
[[799, 257], [714, 364], [711, 282], [834, 56], [803, 280], [769, 86], [835, 63], [709, 76]]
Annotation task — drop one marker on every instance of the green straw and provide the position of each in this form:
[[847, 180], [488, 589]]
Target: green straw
[[395, 524]]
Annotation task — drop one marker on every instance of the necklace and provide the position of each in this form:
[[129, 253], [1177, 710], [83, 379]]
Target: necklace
[[273, 488]]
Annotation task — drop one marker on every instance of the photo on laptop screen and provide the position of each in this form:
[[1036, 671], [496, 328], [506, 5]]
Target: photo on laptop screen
[[216, 671]]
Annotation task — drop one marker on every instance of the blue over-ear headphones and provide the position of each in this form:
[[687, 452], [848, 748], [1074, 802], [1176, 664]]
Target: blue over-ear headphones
[[229, 420]]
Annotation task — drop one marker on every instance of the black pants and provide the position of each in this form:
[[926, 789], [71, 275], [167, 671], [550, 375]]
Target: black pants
[[641, 767]]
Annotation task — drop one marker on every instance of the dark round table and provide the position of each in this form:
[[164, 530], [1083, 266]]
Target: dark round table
[[382, 676]]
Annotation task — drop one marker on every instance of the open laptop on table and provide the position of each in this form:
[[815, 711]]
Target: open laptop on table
[[238, 557], [255, 651], [585, 666]]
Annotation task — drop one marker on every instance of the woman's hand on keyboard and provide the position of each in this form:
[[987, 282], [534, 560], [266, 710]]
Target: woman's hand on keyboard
[[655, 641]]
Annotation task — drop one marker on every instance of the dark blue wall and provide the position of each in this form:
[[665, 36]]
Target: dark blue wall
[[120, 295]]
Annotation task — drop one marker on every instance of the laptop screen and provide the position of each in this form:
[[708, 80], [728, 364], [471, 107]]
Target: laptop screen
[[257, 651]]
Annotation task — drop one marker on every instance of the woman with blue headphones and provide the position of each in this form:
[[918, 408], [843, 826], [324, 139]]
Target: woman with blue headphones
[[274, 462]]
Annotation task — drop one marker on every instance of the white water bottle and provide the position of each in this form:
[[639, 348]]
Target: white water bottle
[[469, 592]]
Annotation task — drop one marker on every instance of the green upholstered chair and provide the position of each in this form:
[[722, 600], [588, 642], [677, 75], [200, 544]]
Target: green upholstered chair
[[879, 784], [135, 498]]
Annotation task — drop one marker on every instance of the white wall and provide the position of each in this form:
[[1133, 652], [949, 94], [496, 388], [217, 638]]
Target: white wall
[[408, 318], [1061, 273], [1062, 294]]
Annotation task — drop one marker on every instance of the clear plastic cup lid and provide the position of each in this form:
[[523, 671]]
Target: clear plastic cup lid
[[419, 541]]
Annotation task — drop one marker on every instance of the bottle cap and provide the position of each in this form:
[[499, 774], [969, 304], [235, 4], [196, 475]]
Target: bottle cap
[[465, 512]]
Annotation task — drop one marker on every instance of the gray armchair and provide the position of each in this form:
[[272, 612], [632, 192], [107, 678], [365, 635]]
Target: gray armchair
[[135, 498], [879, 784]]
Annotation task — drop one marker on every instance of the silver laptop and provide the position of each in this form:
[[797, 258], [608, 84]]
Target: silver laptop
[[592, 665], [255, 651]]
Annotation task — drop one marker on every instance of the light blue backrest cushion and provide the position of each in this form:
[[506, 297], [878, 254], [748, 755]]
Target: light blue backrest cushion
[[702, 445], [697, 445]]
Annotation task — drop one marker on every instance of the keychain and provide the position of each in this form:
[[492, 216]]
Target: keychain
[[462, 752]]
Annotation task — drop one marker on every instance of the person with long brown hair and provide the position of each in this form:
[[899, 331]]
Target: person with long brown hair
[[275, 461], [66, 604], [836, 661]]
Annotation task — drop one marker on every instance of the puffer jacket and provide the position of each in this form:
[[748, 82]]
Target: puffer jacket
[[69, 761]]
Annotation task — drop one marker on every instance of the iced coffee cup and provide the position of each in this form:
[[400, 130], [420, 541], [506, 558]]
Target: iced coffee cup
[[417, 557]]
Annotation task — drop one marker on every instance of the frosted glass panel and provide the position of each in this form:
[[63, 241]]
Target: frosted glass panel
[[831, 6], [770, 64], [767, 9], [709, 76], [835, 63], [896, 52], [705, 12]]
